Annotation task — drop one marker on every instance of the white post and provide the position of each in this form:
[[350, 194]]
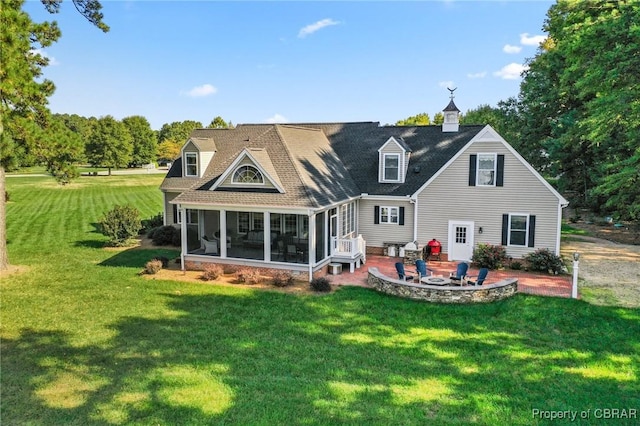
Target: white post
[[574, 287]]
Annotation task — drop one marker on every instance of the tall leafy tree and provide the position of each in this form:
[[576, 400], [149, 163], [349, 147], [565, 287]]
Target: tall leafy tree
[[178, 130], [421, 119], [110, 144], [580, 96], [144, 140], [219, 123], [23, 94], [168, 150]]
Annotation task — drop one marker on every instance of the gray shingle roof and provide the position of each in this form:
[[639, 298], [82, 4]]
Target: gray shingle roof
[[320, 163]]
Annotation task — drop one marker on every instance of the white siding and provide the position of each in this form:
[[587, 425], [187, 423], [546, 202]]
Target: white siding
[[246, 162], [449, 197], [168, 208], [392, 148], [377, 234]]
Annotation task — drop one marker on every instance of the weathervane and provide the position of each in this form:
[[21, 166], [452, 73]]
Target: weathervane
[[452, 90]]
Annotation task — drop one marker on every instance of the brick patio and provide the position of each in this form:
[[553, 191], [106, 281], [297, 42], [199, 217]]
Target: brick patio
[[530, 283]]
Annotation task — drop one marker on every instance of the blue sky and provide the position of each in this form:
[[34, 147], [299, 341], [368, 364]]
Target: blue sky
[[293, 61]]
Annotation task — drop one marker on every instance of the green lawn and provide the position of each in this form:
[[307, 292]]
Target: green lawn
[[86, 340]]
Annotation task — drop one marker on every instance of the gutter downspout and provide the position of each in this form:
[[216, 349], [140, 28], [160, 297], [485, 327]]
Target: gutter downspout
[[415, 219]]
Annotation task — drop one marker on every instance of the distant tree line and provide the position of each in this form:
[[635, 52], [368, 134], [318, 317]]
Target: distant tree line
[[106, 142], [576, 118]]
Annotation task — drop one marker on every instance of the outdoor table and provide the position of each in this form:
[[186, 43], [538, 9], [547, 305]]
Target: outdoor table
[[435, 280]]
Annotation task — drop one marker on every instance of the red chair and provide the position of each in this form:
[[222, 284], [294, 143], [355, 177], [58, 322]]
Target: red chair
[[433, 250]]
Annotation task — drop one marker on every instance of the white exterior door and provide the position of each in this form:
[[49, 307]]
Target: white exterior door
[[460, 240]]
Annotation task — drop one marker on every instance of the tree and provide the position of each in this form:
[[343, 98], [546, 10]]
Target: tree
[[110, 144], [219, 123], [168, 150], [178, 131], [421, 119], [438, 119], [144, 140], [579, 97], [23, 96]]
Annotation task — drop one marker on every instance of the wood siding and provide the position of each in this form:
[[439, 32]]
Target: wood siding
[[377, 234], [449, 197], [168, 208]]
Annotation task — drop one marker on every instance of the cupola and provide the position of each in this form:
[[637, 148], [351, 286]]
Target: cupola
[[451, 115]]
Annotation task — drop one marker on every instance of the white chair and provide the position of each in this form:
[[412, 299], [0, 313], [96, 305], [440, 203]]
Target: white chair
[[210, 247]]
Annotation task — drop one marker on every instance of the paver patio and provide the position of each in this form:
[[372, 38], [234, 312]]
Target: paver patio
[[528, 282]]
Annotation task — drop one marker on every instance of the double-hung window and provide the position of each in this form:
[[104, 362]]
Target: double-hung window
[[392, 167], [486, 170], [389, 215], [518, 229], [191, 164]]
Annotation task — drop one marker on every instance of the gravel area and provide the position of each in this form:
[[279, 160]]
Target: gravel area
[[609, 272]]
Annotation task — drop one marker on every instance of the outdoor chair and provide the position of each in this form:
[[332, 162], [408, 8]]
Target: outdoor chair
[[401, 273], [210, 247], [421, 268], [460, 272], [292, 252], [479, 279]]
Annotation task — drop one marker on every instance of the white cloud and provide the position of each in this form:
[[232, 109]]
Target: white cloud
[[277, 118], [446, 84], [482, 74], [511, 49], [312, 28], [201, 91], [511, 71], [52, 61], [528, 40]]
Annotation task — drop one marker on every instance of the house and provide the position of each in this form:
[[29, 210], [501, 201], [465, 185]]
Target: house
[[301, 196]]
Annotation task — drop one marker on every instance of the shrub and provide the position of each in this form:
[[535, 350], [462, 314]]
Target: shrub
[[489, 256], [211, 272], [321, 284], [163, 260], [165, 236], [153, 222], [248, 276], [544, 260], [153, 267], [515, 265], [121, 224], [282, 279]]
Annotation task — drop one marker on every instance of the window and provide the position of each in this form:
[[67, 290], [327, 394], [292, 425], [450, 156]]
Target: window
[[290, 224], [258, 221], [191, 164], [247, 174], [392, 167], [389, 214], [486, 170], [276, 222], [192, 217], [348, 217], [518, 227], [243, 222]]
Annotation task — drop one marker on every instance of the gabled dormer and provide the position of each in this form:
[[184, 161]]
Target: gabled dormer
[[197, 153], [252, 170], [393, 161]]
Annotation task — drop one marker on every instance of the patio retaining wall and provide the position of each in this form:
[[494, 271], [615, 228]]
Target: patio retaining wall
[[443, 294]]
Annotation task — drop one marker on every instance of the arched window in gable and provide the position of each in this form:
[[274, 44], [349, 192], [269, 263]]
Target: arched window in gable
[[247, 174]]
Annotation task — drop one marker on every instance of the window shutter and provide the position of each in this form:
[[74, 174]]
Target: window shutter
[[473, 159], [401, 216], [505, 229], [175, 213], [376, 215], [532, 231], [500, 171]]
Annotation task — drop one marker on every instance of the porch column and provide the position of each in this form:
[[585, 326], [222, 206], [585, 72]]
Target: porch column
[[266, 217], [312, 244], [183, 235], [223, 233]]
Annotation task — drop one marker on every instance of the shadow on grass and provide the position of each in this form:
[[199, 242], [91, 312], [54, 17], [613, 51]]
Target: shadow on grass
[[137, 257], [355, 357], [90, 244]]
